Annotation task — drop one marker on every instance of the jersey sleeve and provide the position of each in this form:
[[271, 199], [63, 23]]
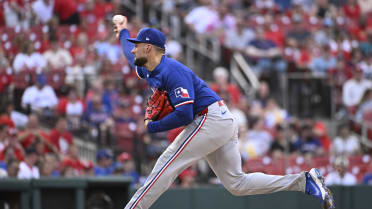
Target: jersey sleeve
[[180, 89], [127, 48]]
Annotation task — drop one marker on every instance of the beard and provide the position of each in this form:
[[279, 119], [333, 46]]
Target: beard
[[140, 61]]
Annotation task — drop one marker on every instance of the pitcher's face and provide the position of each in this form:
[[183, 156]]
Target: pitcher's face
[[141, 52]]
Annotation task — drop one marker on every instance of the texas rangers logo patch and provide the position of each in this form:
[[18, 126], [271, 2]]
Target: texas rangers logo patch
[[181, 92]]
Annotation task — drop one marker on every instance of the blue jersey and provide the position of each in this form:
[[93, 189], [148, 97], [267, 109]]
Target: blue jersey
[[187, 92]]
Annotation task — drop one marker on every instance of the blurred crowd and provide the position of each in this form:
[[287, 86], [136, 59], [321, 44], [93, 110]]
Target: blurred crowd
[[63, 77]]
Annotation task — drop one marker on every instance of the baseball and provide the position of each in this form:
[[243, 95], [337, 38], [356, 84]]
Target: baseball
[[118, 19]]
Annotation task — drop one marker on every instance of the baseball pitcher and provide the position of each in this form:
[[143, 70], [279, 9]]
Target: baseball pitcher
[[182, 99]]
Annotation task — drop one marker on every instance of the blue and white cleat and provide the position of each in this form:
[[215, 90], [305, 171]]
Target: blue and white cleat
[[315, 186]]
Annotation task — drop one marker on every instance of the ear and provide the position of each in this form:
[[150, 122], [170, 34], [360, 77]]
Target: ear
[[148, 48]]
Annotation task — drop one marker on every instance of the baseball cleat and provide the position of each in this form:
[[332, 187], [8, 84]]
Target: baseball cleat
[[315, 186]]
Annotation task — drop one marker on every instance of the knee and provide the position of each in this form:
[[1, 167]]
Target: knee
[[234, 189]]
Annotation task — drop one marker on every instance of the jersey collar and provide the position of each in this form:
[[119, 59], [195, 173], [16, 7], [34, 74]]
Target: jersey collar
[[158, 68]]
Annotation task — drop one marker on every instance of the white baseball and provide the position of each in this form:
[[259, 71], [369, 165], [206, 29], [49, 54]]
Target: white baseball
[[118, 19]]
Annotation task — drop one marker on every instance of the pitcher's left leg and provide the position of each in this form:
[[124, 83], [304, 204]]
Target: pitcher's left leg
[[178, 156], [191, 145], [226, 163]]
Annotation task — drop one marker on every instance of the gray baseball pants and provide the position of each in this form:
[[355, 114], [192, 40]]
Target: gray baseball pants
[[214, 137]]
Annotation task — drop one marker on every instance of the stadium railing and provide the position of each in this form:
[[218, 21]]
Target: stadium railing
[[243, 74], [64, 193]]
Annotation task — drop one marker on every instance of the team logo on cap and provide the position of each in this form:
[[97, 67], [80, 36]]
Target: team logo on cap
[[181, 92], [147, 39]]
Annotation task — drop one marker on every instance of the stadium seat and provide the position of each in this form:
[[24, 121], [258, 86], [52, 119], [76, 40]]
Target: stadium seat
[[358, 165], [124, 133], [253, 165], [56, 78], [24, 78], [298, 163], [276, 167]]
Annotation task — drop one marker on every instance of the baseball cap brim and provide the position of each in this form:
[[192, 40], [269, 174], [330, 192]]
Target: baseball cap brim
[[134, 40]]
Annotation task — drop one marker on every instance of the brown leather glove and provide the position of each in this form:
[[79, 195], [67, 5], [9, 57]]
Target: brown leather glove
[[158, 106]]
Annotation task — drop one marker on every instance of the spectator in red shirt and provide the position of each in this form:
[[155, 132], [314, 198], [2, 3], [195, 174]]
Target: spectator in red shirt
[[320, 132], [72, 160], [6, 120], [352, 9], [6, 77], [79, 46], [12, 149], [88, 168], [101, 8], [273, 32], [188, 178], [28, 136], [3, 132], [88, 17], [67, 11], [221, 84], [41, 149], [73, 108], [60, 136], [125, 126]]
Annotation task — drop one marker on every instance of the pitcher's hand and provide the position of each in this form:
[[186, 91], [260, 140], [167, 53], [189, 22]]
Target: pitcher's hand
[[120, 22]]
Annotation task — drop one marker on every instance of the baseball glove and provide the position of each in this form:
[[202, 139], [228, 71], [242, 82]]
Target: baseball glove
[[158, 106]]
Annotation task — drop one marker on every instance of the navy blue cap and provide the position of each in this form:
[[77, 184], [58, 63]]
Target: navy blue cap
[[103, 153], [151, 36], [41, 79]]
